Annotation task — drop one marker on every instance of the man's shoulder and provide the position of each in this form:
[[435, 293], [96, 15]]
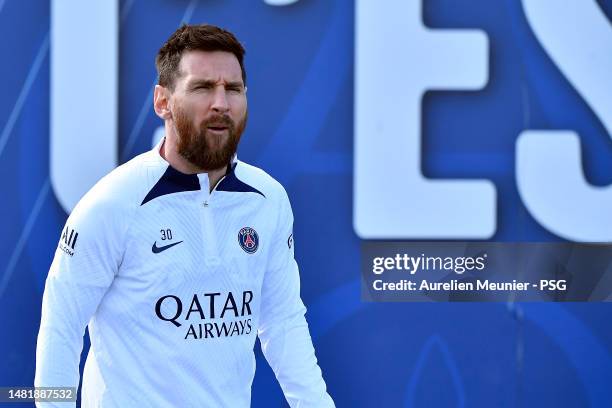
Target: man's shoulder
[[126, 185], [260, 180]]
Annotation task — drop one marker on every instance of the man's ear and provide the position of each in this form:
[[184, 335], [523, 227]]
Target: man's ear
[[161, 99]]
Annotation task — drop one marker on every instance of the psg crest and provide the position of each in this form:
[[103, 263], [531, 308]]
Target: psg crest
[[248, 240]]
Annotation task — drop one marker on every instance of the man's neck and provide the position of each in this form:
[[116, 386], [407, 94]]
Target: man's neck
[[169, 153]]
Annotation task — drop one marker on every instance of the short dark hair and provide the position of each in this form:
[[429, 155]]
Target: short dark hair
[[202, 37]]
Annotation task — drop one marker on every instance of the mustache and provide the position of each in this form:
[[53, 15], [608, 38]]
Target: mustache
[[218, 120]]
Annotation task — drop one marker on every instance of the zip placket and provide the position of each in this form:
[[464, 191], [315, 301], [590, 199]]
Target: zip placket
[[211, 250]]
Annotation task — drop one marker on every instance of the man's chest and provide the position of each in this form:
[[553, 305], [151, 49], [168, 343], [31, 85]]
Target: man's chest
[[191, 245]]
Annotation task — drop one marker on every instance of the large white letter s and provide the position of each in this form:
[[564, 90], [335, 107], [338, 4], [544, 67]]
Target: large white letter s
[[549, 174]]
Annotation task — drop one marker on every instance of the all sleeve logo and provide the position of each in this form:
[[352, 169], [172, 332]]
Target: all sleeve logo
[[68, 240]]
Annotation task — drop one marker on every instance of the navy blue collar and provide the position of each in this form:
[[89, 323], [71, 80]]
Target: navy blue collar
[[173, 181], [232, 183]]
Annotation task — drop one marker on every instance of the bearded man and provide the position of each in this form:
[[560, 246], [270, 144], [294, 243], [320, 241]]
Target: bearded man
[[178, 259]]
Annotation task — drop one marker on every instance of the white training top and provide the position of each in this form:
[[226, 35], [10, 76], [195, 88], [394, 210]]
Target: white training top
[[175, 283]]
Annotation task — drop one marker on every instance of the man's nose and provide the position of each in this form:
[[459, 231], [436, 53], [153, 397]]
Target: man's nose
[[219, 103]]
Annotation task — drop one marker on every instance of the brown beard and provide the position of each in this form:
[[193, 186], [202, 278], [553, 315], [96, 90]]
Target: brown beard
[[204, 150]]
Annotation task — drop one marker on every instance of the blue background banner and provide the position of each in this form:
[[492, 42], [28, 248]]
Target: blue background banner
[[301, 74]]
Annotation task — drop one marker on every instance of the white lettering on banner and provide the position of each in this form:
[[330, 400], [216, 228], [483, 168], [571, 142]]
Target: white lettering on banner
[[280, 2], [84, 95], [549, 170], [397, 59]]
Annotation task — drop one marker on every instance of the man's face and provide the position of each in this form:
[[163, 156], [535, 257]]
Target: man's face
[[209, 108]]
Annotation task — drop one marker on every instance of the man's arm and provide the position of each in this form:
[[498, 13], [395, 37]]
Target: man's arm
[[86, 260], [283, 330]]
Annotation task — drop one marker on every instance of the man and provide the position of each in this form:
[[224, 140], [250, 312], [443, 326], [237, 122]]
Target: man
[[179, 258]]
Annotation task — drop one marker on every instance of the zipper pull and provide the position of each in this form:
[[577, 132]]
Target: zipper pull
[[205, 204]]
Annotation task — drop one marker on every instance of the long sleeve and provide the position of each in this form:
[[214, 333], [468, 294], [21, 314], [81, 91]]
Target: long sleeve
[[283, 330], [85, 263]]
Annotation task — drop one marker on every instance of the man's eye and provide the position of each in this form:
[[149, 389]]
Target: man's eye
[[234, 90]]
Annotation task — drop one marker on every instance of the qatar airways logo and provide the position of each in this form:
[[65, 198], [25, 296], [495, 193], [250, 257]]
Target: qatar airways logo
[[208, 315]]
